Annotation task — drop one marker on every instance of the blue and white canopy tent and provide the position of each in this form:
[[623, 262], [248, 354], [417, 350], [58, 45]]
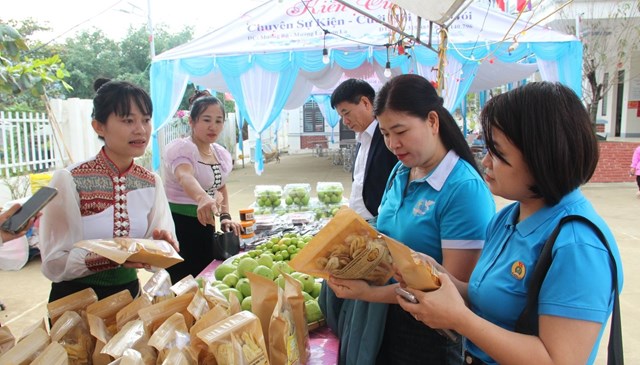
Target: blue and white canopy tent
[[271, 58]]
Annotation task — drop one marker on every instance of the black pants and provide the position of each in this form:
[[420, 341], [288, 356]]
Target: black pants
[[196, 247], [638, 181], [64, 288], [407, 342]]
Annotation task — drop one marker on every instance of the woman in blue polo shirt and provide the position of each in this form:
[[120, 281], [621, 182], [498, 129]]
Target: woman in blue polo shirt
[[541, 149], [436, 203]]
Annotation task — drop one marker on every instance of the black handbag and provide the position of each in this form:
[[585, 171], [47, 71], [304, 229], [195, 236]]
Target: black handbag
[[528, 321], [225, 245]]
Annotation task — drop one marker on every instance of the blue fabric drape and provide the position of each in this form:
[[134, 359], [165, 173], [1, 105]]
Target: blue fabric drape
[[169, 77], [329, 114]]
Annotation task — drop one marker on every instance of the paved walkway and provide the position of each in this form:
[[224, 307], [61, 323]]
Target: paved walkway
[[25, 292]]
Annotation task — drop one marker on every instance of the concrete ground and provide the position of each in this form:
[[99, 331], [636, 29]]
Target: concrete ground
[[24, 292]]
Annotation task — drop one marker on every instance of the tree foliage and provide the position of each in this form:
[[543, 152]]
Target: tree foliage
[[23, 73], [80, 59], [610, 34]]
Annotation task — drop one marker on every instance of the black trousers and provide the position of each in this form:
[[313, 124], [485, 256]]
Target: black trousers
[[64, 288], [196, 247], [407, 342]]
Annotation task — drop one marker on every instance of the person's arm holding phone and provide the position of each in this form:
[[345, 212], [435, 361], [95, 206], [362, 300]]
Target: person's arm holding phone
[[6, 236]]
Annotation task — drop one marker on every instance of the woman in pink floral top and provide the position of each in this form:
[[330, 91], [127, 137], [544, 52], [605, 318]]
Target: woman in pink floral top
[[635, 168], [196, 170]]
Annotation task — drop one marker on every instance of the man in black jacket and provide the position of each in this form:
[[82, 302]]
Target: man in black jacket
[[353, 100]]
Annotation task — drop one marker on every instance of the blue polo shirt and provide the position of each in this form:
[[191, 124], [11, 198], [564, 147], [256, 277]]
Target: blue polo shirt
[[578, 284], [449, 208]]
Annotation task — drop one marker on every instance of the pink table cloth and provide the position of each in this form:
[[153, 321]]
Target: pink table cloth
[[324, 344]]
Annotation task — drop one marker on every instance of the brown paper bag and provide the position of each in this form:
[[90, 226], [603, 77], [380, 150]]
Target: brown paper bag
[[173, 333], [54, 354], [347, 248], [130, 311], [236, 340], [264, 297], [7, 340], [158, 253], [25, 351], [416, 273], [293, 294], [153, 316], [283, 340], [198, 348], [72, 333], [77, 302]]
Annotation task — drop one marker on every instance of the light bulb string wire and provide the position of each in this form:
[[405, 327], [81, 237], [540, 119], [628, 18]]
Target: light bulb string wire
[[326, 31]]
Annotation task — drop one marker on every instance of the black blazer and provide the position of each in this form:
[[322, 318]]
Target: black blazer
[[380, 162]]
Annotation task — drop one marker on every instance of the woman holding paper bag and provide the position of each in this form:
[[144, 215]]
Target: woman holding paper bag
[[541, 149], [105, 197], [436, 203]]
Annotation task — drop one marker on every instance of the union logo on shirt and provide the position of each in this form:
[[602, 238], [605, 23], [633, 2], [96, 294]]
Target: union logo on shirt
[[518, 270], [422, 207]]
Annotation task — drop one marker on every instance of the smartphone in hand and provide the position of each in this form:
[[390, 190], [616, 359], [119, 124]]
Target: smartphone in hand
[[452, 335], [406, 295], [19, 220]]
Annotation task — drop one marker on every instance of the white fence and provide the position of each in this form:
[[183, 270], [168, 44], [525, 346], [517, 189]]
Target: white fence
[[27, 144]]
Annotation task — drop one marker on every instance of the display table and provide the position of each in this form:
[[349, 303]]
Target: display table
[[324, 344]]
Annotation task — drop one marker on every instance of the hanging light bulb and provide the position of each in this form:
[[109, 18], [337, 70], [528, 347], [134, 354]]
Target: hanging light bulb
[[387, 69], [325, 52], [387, 66]]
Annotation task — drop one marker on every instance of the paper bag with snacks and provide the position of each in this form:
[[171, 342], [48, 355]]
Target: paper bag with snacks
[[416, 273], [347, 248], [158, 253], [236, 340], [54, 354], [25, 351], [77, 302], [72, 333]]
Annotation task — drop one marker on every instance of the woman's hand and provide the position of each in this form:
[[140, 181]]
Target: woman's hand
[[8, 236], [349, 289], [632, 171], [161, 234], [208, 207], [227, 225], [440, 308]]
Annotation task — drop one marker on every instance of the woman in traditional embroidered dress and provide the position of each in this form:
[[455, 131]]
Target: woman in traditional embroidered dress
[[196, 170], [105, 197]]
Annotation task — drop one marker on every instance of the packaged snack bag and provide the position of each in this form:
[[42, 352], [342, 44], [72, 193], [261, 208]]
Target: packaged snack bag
[[187, 284], [158, 287], [72, 333], [416, 273], [198, 306], [101, 317], [295, 298], [198, 348], [237, 340], [7, 340], [283, 340], [54, 354], [347, 248], [130, 311], [77, 302], [27, 350], [153, 316], [132, 336], [158, 253], [264, 297], [172, 334]]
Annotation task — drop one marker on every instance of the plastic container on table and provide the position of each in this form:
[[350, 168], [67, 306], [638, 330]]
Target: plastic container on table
[[268, 196], [297, 195], [329, 192]]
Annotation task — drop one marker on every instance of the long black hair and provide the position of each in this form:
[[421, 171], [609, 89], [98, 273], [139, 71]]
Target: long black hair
[[415, 96]]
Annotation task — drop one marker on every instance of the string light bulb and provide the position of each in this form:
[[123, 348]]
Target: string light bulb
[[387, 66], [325, 52]]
